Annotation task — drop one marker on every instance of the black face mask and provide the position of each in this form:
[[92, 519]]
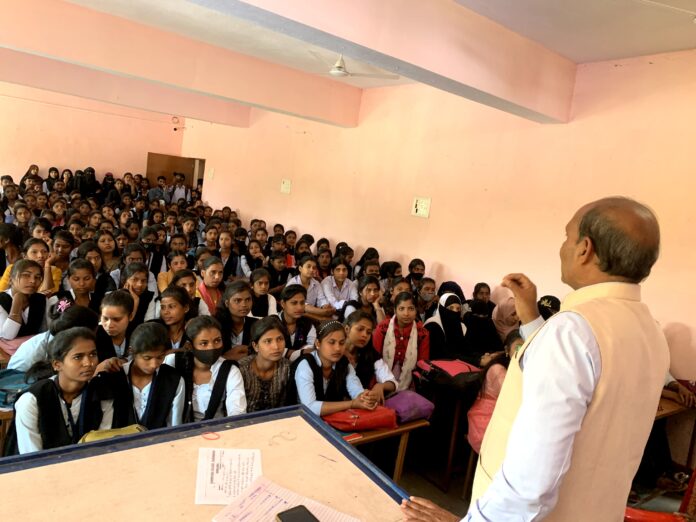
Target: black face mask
[[207, 356], [416, 276]]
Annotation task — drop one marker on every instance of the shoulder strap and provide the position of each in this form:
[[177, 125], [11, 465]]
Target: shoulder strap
[[219, 388]]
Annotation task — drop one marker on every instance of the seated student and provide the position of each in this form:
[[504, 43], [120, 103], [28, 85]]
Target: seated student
[[302, 249], [37, 250], [368, 300], [368, 363], [325, 380], [103, 283], [81, 282], [369, 254], [370, 268], [10, 244], [492, 377], [134, 280], [177, 260], [154, 259], [389, 272], [22, 307], [35, 349], [548, 305], [229, 258], [505, 317], [278, 246], [22, 219], [416, 272], [481, 336], [317, 306], [338, 289], [278, 273], [263, 304], [426, 301], [59, 410], [154, 393], [482, 292], [214, 385], [266, 372], [107, 246], [233, 314], [113, 331], [188, 228], [399, 285], [63, 244], [173, 307], [210, 238], [211, 285], [252, 259], [134, 253], [41, 229], [323, 269], [446, 329], [301, 333], [186, 279], [401, 340], [347, 253]]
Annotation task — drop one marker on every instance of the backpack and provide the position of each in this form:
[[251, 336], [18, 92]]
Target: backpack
[[12, 383]]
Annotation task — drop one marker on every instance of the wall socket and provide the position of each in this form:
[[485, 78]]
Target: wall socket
[[420, 207], [285, 186]]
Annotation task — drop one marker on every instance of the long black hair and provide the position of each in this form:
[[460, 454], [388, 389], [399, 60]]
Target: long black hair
[[367, 355]]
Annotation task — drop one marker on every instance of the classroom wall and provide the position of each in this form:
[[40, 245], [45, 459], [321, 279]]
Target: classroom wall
[[502, 188], [52, 129]]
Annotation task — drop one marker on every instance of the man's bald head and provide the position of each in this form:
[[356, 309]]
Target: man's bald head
[[625, 235]]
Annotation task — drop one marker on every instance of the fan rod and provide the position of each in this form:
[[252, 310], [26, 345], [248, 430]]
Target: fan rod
[[667, 6]]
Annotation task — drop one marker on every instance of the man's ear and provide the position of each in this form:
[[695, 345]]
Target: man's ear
[[585, 251]]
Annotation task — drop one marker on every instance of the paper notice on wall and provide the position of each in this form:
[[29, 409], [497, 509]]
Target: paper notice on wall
[[264, 499], [224, 473]]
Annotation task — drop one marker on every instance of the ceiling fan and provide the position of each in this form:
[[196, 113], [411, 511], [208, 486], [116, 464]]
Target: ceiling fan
[[339, 70]]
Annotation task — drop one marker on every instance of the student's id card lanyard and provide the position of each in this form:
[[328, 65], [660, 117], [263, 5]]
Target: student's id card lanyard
[[76, 429]]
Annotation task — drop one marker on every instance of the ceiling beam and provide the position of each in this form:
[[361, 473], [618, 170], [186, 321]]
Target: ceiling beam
[[435, 42], [69, 34]]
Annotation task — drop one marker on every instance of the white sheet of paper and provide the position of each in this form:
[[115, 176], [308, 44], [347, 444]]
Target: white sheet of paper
[[263, 500], [224, 473]]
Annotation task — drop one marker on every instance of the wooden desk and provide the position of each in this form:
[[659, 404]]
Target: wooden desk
[[151, 476], [403, 432], [669, 406]]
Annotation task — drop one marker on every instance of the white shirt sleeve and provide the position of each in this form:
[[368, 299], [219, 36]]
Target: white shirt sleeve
[[177, 412], [349, 310], [152, 283], [321, 296], [311, 337], [30, 351], [561, 367], [244, 267], [353, 384], [327, 289], [304, 380], [203, 308], [384, 374], [150, 312], [27, 424], [8, 327], [235, 400]]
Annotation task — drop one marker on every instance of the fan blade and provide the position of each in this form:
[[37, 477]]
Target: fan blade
[[380, 76], [319, 58]]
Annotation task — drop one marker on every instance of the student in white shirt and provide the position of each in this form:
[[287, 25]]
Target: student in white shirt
[[316, 305], [326, 382], [58, 411], [263, 304], [202, 368], [338, 289], [155, 391], [22, 307]]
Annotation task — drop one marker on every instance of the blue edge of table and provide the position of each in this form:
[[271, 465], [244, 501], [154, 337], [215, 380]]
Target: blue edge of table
[[80, 451]]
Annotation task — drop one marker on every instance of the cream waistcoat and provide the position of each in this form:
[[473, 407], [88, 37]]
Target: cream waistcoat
[[608, 448]]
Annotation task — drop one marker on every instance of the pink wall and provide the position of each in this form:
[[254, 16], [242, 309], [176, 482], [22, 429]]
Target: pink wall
[[51, 129], [502, 188]]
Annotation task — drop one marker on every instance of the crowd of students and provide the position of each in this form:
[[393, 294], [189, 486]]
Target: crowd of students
[[135, 304]]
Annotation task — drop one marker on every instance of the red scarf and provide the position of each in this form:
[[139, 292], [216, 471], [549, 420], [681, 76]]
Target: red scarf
[[208, 299]]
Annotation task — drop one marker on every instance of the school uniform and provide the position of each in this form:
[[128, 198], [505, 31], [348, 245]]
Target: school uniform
[[338, 297], [315, 293], [31, 351], [64, 299], [159, 404], [313, 389], [265, 395], [229, 338], [43, 420], [106, 349], [304, 335], [229, 265], [145, 310], [151, 280], [33, 316], [263, 306], [223, 396]]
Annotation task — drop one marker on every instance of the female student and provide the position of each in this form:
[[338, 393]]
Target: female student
[[266, 372], [505, 317], [154, 393], [209, 287], [368, 363], [482, 293], [323, 264], [103, 281], [134, 280], [229, 258], [492, 377], [174, 305], [316, 305], [370, 254], [214, 386], [399, 285], [326, 382], [22, 307], [481, 335], [59, 410], [177, 260], [252, 259], [337, 288], [186, 279], [368, 299], [134, 253], [401, 340], [63, 244], [300, 332], [81, 289], [233, 314], [113, 331], [263, 304], [37, 250], [446, 330]]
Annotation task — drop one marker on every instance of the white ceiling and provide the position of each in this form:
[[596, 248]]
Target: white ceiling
[[597, 30], [196, 22]]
